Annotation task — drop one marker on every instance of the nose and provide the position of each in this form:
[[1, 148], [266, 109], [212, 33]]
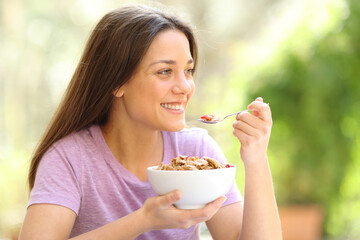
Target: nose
[[183, 85]]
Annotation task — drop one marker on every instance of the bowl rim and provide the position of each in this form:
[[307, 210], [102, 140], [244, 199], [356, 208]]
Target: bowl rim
[[152, 168]]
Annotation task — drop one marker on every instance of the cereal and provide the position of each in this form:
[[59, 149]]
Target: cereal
[[192, 163]]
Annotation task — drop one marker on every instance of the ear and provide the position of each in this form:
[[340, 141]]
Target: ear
[[118, 92]]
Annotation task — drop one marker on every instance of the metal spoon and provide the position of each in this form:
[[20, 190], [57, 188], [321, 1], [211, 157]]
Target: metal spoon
[[215, 120]]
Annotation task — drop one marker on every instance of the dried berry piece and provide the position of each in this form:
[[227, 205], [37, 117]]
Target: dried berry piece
[[208, 117]]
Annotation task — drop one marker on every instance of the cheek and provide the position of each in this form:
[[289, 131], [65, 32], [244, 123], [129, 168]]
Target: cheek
[[192, 85], [137, 99]]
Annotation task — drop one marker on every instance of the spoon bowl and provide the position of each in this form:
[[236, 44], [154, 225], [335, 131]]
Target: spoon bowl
[[214, 120]]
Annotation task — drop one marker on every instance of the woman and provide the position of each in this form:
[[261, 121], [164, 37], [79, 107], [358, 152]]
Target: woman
[[124, 111]]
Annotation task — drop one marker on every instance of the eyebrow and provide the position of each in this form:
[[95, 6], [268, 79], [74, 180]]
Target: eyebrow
[[170, 62]]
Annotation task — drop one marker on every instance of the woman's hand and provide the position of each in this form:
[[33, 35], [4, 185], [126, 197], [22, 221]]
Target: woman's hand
[[253, 131], [161, 214]]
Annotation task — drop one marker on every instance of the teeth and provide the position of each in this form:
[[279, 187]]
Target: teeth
[[172, 106]]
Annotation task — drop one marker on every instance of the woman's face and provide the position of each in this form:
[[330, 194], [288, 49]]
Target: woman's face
[[157, 94]]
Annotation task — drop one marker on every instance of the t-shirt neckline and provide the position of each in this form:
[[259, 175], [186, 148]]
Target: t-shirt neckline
[[115, 164]]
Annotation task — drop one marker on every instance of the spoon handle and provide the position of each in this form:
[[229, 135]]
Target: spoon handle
[[235, 113]]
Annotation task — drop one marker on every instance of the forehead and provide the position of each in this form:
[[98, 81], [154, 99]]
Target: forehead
[[170, 45]]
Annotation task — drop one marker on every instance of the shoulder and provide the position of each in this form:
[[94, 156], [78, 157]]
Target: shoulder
[[69, 151], [75, 141], [59, 176], [65, 158]]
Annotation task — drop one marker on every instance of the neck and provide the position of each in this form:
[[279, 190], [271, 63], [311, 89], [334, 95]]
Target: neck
[[136, 149]]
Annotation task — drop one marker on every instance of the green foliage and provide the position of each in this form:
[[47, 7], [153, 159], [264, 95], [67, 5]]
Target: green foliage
[[313, 87]]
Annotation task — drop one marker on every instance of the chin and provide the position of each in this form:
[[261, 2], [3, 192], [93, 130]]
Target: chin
[[175, 127]]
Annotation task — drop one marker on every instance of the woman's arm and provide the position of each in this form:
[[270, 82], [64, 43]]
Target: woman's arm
[[259, 218], [227, 222], [50, 221], [47, 221], [256, 217]]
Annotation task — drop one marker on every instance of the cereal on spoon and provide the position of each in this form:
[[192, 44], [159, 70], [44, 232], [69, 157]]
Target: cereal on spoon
[[210, 118]]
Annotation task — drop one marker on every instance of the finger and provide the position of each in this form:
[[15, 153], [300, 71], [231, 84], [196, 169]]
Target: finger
[[243, 137], [249, 119], [245, 127], [256, 113], [260, 110], [213, 207], [205, 213], [216, 203], [170, 198]]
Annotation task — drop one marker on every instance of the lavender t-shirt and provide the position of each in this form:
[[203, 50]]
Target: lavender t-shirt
[[80, 172]]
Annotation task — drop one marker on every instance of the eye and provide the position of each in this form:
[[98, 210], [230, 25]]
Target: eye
[[165, 72], [190, 71]]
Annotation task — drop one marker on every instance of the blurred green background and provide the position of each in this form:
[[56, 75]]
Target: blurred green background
[[301, 56]]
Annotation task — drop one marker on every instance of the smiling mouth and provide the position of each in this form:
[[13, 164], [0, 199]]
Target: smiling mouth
[[173, 106]]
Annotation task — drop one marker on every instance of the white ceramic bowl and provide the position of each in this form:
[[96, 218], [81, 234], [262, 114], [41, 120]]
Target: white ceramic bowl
[[197, 187]]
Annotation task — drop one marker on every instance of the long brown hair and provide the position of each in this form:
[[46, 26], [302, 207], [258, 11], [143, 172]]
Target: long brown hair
[[112, 53]]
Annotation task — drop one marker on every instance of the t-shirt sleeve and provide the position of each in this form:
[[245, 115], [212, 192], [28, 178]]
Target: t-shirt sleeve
[[57, 178]]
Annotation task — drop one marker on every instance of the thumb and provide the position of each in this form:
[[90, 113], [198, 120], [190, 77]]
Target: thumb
[[259, 99], [256, 113], [170, 198]]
